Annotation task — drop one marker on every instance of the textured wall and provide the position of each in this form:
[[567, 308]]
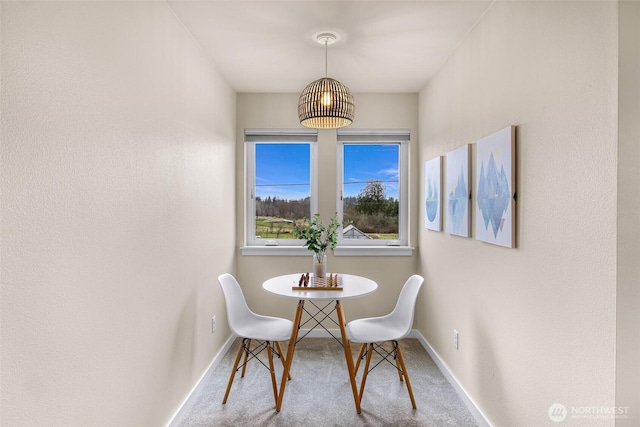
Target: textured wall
[[117, 186], [537, 323], [628, 302]]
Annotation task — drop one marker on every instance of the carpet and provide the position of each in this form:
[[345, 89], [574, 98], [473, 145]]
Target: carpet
[[319, 393]]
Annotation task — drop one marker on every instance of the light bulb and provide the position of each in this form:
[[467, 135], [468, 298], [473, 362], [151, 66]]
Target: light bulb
[[326, 99]]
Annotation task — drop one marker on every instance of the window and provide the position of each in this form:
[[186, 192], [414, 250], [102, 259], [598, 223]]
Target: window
[[373, 187], [281, 184]]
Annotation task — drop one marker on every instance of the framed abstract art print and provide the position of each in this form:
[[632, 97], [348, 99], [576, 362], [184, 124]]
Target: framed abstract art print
[[495, 188], [458, 192], [433, 194]]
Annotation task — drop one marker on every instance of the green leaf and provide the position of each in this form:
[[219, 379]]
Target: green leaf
[[318, 237]]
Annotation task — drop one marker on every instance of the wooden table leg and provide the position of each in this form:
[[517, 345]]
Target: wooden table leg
[[290, 350], [347, 354]]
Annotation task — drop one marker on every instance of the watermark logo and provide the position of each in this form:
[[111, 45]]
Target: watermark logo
[[557, 412]]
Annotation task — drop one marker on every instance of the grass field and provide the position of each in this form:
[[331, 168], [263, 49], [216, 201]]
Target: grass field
[[274, 228], [390, 236], [279, 228]]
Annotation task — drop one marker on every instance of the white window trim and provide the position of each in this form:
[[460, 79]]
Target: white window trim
[[289, 247], [373, 251], [275, 250], [338, 251], [280, 136], [369, 137]]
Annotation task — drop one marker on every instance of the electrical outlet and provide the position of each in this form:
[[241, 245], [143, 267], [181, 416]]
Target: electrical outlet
[[455, 339], [213, 324]]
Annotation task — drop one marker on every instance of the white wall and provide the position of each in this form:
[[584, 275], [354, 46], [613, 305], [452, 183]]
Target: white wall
[[537, 323], [117, 199], [372, 111], [628, 298]]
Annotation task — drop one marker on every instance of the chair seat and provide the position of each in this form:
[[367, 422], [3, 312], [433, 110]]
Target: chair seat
[[375, 329], [265, 328]]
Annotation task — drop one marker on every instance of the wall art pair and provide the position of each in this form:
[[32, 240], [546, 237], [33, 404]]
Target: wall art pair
[[494, 180]]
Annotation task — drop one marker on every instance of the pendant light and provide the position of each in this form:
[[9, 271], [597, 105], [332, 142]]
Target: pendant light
[[326, 103]]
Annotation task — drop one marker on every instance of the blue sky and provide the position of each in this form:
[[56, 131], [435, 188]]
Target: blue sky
[[282, 170], [363, 163]]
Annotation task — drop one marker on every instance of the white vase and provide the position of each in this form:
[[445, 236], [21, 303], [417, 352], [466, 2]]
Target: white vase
[[320, 265]]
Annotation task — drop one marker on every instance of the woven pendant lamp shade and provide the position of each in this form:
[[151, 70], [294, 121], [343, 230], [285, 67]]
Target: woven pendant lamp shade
[[326, 104]]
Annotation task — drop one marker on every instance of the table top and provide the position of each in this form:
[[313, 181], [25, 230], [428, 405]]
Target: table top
[[352, 287]]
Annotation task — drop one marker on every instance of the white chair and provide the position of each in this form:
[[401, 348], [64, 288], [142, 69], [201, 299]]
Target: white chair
[[375, 331], [251, 326]]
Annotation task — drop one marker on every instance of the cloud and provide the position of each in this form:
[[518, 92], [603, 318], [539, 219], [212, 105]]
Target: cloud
[[263, 181], [389, 172]]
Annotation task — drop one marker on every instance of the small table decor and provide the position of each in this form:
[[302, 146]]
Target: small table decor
[[327, 283]]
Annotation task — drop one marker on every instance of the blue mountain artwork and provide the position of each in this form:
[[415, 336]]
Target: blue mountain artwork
[[458, 202], [432, 200], [493, 195]]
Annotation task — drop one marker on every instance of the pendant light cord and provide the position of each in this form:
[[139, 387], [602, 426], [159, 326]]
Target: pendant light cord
[[326, 57]]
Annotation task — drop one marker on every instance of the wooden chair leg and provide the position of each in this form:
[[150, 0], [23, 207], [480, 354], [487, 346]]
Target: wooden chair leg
[[362, 348], [406, 376], [366, 372], [395, 356], [282, 358], [273, 373], [233, 372], [246, 356]]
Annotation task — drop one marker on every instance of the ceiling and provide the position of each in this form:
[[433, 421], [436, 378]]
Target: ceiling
[[391, 46]]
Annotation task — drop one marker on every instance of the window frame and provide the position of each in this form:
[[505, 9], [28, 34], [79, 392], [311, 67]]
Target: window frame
[[400, 137], [276, 136]]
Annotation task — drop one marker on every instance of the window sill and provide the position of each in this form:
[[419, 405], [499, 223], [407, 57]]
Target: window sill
[[338, 251], [373, 251], [275, 250]]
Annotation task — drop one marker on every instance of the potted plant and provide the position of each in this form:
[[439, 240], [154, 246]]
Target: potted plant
[[318, 239]]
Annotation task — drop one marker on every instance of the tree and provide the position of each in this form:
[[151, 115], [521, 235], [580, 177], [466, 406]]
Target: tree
[[372, 199]]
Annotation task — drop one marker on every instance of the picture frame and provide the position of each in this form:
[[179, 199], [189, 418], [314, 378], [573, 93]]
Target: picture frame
[[433, 194], [495, 183], [458, 192]]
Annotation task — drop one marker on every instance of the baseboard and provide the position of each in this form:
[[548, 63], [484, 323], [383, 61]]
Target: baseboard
[[319, 333], [178, 416], [480, 418]]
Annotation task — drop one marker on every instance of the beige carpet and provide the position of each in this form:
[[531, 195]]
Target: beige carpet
[[319, 393]]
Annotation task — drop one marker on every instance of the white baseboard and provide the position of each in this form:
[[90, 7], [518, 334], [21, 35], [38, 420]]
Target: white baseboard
[[480, 418], [319, 333], [468, 401], [178, 416]]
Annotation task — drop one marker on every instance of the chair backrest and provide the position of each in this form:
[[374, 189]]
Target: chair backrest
[[238, 312], [402, 314]]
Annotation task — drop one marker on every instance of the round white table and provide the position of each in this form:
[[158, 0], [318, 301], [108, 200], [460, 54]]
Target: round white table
[[352, 287]]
